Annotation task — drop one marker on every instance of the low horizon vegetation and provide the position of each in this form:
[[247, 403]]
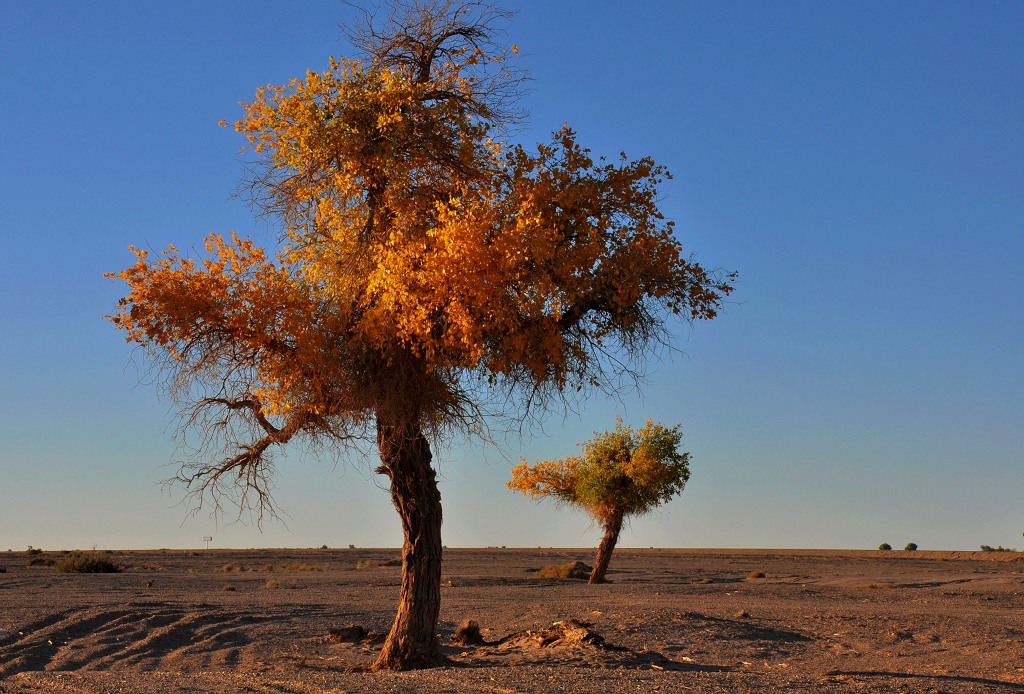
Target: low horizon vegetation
[[85, 563]]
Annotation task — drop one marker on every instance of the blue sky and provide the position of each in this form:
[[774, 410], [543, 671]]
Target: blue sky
[[860, 164]]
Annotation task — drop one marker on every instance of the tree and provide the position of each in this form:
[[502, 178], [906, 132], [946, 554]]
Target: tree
[[430, 274], [621, 473]]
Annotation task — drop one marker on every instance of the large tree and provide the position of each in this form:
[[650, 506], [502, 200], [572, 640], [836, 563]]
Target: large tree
[[428, 270], [621, 473]]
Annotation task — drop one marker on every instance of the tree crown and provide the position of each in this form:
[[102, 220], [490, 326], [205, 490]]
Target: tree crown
[[624, 472], [426, 264]]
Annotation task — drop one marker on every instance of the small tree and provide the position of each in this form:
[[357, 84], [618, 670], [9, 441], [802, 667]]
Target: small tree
[[621, 473]]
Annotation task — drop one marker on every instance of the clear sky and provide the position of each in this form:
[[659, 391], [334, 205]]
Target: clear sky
[[860, 164]]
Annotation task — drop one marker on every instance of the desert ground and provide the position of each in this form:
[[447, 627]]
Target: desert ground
[[296, 621]]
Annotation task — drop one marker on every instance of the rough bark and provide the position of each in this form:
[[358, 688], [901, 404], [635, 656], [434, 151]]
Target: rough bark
[[612, 526], [405, 458]]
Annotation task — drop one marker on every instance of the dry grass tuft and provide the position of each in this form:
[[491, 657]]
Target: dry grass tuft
[[274, 584], [79, 563], [873, 586], [40, 561], [371, 564], [302, 567], [755, 575], [468, 634], [577, 569], [702, 581]]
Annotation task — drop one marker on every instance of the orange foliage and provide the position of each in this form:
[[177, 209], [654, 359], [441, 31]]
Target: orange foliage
[[419, 249]]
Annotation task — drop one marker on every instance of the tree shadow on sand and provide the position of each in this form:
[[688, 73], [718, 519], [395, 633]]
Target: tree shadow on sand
[[952, 681]]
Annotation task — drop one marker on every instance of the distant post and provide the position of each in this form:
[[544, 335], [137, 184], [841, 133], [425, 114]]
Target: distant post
[[208, 539]]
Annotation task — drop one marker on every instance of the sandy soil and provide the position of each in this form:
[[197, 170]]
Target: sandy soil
[[672, 620]]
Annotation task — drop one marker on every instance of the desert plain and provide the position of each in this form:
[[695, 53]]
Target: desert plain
[[670, 620]]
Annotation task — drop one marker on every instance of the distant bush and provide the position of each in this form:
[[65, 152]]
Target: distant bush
[[79, 563], [1000, 548], [911, 547], [370, 564], [873, 586], [40, 561], [32, 551], [885, 546], [755, 574], [702, 581]]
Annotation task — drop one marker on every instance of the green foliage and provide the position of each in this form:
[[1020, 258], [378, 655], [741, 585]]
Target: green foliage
[[80, 563], [621, 472], [1000, 548], [885, 546], [911, 547]]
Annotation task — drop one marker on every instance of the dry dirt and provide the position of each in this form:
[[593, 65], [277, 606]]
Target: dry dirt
[[672, 620]]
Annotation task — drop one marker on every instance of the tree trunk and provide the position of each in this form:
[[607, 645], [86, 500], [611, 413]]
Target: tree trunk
[[405, 458], [612, 526]]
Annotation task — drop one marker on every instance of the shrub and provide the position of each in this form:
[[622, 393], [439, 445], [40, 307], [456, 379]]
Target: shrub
[[756, 574], [37, 561], [274, 584], [1000, 548], [302, 567], [32, 551], [885, 546], [468, 634], [911, 547], [575, 570], [79, 563]]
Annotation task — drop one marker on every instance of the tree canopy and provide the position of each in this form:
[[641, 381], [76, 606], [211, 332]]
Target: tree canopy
[[428, 265]]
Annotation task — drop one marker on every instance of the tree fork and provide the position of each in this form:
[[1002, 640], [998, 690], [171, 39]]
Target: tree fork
[[405, 458], [604, 550]]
